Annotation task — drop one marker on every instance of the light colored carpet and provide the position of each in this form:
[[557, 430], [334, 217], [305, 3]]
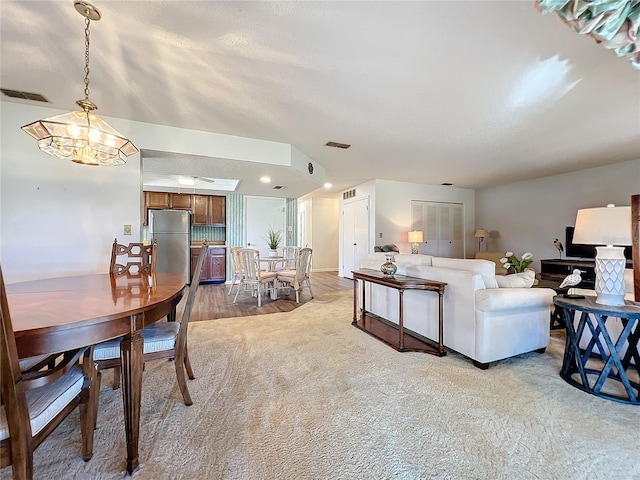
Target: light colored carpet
[[305, 395]]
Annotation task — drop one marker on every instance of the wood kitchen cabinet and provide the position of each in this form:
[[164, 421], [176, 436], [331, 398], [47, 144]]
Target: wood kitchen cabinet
[[181, 201], [200, 210], [206, 210], [217, 210], [215, 264], [156, 200]]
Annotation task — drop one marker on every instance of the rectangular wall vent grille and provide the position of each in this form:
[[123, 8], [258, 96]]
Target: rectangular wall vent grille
[[24, 95], [349, 194], [338, 145]]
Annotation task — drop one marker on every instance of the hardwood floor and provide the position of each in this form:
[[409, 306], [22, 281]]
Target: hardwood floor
[[213, 302]]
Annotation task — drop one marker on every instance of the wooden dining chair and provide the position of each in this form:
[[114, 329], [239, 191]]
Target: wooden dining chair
[[299, 277], [161, 340], [132, 259], [38, 398], [254, 280]]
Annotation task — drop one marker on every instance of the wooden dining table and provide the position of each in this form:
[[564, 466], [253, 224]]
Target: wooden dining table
[[55, 315]]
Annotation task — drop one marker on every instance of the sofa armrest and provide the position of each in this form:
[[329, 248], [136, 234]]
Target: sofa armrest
[[493, 299]]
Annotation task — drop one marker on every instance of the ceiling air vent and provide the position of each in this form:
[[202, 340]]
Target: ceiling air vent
[[337, 145], [349, 194], [24, 95], [447, 184], [277, 187]]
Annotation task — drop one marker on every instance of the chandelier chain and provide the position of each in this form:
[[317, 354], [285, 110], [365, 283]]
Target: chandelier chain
[[87, 22]]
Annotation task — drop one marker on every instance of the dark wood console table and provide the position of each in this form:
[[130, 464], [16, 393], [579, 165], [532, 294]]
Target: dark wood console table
[[588, 371], [384, 330]]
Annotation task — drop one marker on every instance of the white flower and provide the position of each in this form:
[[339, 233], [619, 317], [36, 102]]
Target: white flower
[[508, 254], [504, 260], [527, 256], [507, 265]]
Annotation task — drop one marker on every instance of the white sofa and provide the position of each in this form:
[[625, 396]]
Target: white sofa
[[481, 321]]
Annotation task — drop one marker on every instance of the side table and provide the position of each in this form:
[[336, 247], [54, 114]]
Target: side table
[[609, 373], [382, 329]]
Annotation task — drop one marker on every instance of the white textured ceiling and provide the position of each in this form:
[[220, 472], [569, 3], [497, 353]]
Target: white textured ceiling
[[474, 93]]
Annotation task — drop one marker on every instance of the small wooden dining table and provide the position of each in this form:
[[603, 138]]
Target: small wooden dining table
[[59, 314]]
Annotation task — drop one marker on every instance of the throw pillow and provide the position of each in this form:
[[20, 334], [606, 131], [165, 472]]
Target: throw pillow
[[516, 280]]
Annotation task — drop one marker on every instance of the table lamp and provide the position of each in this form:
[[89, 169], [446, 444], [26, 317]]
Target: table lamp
[[481, 235], [610, 228], [415, 238]]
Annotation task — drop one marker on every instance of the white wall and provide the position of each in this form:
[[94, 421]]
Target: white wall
[[390, 211], [321, 231], [527, 216], [58, 218], [325, 234], [393, 210]]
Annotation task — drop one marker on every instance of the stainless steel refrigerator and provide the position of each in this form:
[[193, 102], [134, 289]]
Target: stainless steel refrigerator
[[171, 229]]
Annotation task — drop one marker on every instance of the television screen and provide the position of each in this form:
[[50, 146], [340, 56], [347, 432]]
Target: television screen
[[584, 251]]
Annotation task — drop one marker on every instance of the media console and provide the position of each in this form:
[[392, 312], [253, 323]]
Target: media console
[[557, 269]]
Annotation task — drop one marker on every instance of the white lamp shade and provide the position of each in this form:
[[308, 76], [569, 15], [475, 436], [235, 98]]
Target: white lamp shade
[[608, 226], [415, 236], [482, 233], [603, 226]]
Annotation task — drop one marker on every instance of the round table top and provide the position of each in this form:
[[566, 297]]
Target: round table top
[[588, 304], [68, 301]]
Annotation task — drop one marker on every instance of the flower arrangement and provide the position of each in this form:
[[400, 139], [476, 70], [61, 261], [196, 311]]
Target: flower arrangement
[[274, 237], [510, 260]]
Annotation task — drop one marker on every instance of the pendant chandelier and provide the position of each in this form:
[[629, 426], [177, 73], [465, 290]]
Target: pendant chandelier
[[81, 136]]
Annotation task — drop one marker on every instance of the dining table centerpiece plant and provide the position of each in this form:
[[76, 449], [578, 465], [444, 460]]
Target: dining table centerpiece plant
[[274, 238], [519, 265]]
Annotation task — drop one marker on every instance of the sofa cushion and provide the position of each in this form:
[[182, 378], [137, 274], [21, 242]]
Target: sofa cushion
[[412, 259], [485, 268], [516, 280], [401, 258], [495, 258]]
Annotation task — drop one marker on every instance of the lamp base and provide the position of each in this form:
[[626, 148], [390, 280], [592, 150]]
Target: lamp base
[[415, 248], [610, 263]]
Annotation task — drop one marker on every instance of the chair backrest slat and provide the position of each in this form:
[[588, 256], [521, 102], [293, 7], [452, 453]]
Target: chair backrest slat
[[250, 260], [140, 258], [290, 254], [193, 288], [304, 263]]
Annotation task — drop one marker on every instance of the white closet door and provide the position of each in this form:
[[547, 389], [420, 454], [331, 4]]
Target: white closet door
[[442, 225]]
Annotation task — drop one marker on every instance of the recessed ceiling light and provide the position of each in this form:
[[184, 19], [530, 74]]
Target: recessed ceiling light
[[265, 179], [327, 185]]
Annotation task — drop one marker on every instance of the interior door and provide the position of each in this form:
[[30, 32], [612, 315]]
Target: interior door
[[355, 239], [259, 214]]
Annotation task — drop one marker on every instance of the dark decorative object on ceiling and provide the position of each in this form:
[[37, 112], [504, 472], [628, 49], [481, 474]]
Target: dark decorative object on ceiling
[[613, 23], [310, 168]]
